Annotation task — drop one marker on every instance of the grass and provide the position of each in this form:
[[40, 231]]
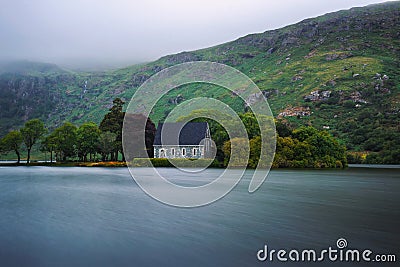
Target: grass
[[374, 50]]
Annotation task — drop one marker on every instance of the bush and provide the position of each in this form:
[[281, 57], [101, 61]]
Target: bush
[[348, 104], [309, 148], [184, 163]]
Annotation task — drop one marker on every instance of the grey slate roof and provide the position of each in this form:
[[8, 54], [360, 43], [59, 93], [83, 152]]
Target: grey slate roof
[[191, 134]]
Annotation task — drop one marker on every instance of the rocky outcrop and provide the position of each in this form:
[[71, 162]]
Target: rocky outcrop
[[182, 58], [270, 93], [138, 79], [357, 97], [318, 95], [335, 56], [316, 29], [23, 97], [295, 112], [176, 100]]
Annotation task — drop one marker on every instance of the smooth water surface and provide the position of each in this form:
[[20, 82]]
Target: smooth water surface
[[53, 216]]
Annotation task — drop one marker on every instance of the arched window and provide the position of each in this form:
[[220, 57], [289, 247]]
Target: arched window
[[162, 153], [173, 152], [194, 152], [184, 152]]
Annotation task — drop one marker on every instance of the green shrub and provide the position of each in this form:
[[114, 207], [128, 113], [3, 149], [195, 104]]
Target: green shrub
[[184, 163]]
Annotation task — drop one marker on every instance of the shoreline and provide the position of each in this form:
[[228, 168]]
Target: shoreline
[[120, 164]]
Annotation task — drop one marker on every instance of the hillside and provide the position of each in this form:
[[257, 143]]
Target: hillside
[[340, 72]]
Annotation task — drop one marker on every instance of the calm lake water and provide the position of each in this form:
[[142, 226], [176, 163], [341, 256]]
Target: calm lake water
[[100, 217]]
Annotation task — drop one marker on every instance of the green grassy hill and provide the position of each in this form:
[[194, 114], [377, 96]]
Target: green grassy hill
[[340, 72]]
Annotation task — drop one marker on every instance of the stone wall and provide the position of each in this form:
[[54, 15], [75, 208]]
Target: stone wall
[[194, 152]]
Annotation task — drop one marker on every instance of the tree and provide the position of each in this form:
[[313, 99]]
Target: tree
[[49, 144], [87, 139], [112, 122], [250, 122], [31, 133], [322, 145], [306, 147], [12, 142], [220, 135], [283, 128], [65, 140], [236, 152], [106, 144], [134, 146], [255, 150]]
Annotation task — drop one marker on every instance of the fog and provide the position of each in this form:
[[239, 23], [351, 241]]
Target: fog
[[103, 33]]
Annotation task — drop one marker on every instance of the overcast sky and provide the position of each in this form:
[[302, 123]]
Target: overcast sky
[[86, 32]]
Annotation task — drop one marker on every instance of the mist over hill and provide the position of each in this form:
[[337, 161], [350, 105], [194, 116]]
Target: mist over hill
[[338, 72]]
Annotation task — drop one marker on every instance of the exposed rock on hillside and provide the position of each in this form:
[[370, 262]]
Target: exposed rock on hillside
[[295, 112], [318, 96]]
